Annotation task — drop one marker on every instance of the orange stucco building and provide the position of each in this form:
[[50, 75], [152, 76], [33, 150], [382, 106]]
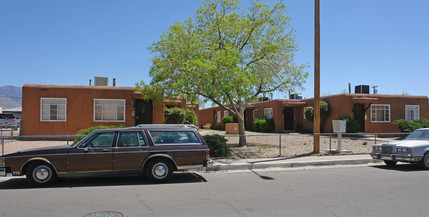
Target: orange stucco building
[[375, 113], [64, 109]]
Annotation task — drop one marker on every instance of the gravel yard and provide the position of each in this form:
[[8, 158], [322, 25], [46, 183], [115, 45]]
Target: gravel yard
[[259, 145]]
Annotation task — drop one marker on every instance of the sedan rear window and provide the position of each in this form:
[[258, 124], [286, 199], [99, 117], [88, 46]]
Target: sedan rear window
[[174, 138]]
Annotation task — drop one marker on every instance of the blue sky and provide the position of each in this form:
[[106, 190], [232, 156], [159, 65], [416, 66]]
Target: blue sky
[[373, 42]]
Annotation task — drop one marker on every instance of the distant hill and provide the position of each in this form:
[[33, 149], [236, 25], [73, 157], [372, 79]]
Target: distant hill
[[10, 97]]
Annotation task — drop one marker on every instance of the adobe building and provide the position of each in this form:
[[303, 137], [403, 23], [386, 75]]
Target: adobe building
[[374, 113], [64, 109]]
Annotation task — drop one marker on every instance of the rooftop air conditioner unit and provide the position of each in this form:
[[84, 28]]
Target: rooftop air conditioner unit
[[101, 81]]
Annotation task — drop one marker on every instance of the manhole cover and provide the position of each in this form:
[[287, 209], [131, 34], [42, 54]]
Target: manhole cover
[[105, 214]]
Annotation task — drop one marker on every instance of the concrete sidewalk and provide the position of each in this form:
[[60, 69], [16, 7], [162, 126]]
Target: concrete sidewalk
[[289, 162]]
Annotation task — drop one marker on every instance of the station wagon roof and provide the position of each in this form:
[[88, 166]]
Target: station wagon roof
[[150, 127]]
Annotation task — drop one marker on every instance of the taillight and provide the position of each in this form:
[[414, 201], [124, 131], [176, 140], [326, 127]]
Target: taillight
[[208, 152]]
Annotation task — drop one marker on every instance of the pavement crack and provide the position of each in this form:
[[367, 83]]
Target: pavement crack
[[138, 198], [228, 204]]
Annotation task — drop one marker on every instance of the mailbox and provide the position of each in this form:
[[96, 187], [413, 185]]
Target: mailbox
[[339, 126]]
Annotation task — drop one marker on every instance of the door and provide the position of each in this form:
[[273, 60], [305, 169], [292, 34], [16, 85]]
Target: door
[[130, 152], [93, 155], [144, 112], [289, 118], [359, 116]]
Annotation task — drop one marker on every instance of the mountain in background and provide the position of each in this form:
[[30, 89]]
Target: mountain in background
[[10, 97]]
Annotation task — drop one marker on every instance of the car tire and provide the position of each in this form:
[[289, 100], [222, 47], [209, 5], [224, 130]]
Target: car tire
[[159, 170], [40, 174], [424, 162], [390, 163]]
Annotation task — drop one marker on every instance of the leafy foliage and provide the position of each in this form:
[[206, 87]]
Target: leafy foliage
[[324, 111], [174, 115], [191, 116], [352, 125], [217, 145], [229, 119], [410, 126], [228, 55], [265, 125]]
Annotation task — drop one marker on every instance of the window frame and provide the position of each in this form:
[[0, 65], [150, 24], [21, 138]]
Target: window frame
[[139, 134], [174, 144], [416, 109], [266, 113], [218, 116], [53, 98], [372, 113], [256, 117], [103, 100]]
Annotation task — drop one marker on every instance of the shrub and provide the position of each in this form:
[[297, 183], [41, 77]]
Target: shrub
[[216, 145], [174, 115], [407, 126], [265, 125], [229, 119], [352, 125], [324, 111], [216, 127], [82, 133], [191, 116]]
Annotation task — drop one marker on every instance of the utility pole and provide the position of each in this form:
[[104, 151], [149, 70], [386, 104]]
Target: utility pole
[[316, 123]]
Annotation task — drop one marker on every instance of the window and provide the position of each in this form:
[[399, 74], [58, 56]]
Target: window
[[109, 110], [380, 113], [411, 112], [99, 140], [53, 109], [218, 117], [174, 137], [268, 113], [225, 113], [255, 114], [131, 139]]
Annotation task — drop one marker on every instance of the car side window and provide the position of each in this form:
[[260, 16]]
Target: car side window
[[131, 139], [98, 140], [174, 137]]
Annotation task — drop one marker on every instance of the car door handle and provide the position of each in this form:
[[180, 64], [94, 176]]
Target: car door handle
[[106, 150]]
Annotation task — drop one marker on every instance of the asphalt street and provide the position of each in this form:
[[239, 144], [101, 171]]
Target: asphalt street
[[361, 190]]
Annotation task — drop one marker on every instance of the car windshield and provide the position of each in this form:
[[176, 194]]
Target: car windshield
[[418, 135]]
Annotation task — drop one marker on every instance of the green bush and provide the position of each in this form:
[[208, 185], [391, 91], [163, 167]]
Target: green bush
[[191, 116], [216, 127], [229, 119], [174, 115], [82, 133], [352, 125], [265, 125], [409, 126], [217, 145], [324, 111]]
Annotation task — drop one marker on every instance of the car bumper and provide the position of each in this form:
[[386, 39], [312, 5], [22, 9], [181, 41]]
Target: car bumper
[[208, 163], [397, 157], [2, 171]]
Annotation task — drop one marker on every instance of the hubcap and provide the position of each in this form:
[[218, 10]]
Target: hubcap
[[42, 173], [160, 170]]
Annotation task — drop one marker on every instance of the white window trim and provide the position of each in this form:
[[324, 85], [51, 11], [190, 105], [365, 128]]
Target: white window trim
[[413, 106], [218, 117], [119, 121], [41, 110], [225, 113], [255, 110], [265, 113], [388, 105]]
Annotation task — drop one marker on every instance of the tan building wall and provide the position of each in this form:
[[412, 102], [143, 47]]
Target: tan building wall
[[79, 108], [289, 114]]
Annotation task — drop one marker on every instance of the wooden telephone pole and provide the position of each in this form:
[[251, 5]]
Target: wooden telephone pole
[[316, 123]]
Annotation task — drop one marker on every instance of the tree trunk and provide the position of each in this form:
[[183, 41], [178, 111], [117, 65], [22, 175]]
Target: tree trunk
[[241, 132]]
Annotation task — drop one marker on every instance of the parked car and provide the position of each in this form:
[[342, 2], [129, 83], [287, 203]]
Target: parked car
[[413, 149], [8, 120], [155, 151]]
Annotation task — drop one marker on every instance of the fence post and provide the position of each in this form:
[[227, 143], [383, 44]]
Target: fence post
[[2, 145], [224, 147], [330, 143], [375, 136], [280, 145]]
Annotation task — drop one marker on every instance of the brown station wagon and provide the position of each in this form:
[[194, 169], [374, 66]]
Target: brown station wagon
[[153, 150]]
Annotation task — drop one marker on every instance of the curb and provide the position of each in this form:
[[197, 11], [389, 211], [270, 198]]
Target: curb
[[263, 165]]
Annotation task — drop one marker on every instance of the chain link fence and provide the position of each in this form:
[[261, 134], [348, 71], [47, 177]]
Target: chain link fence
[[259, 145]]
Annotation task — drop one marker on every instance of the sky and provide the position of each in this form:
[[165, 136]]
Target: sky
[[383, 43]]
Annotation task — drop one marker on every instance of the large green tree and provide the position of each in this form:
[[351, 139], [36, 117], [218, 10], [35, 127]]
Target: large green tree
[[227, 54]]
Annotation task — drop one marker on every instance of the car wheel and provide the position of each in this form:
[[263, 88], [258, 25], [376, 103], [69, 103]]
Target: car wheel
[[159, 170], [390, 163], [40, 174], [424, 163]]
